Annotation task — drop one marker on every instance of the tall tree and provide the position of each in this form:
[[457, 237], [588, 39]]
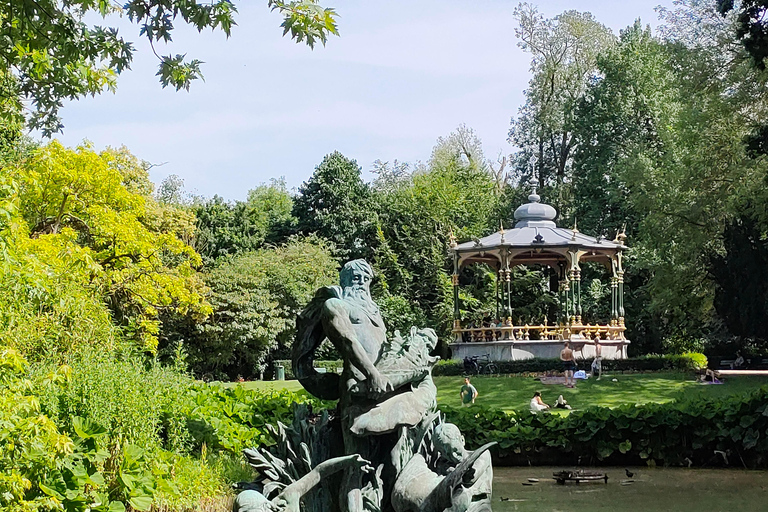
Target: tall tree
[[229, 228], [454, 192], [563, 58], [335, 204]]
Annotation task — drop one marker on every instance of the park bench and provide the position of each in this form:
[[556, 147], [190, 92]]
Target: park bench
[[725, 364]]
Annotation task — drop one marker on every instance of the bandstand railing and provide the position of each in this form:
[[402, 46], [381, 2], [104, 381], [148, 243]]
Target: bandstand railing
[[543, 332]]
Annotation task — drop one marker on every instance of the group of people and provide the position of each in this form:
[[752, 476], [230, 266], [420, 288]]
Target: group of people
[[492, 330], [569, 363]]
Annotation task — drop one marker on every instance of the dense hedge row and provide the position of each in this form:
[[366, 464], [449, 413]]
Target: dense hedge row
[[684, 362], [729, 431]]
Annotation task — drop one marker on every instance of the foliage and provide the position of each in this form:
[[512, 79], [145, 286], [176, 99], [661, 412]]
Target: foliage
[[741, 280], [563, 59], [226, 228], [335, 204], [676, 433], [56, 54], [256, 297], [752, 28], [455, 194], [74, 203], [233, 419]]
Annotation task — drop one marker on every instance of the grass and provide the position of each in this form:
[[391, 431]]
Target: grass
[[514, 393]]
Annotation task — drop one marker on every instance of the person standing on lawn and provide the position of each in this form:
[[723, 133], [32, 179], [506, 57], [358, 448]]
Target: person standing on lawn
[[468, 393], [569, 364], [597, 364]]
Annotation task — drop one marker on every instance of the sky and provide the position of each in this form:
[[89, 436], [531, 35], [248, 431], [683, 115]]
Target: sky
[[401, 74]]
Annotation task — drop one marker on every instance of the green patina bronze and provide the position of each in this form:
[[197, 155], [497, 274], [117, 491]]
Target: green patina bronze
[[407, 458]]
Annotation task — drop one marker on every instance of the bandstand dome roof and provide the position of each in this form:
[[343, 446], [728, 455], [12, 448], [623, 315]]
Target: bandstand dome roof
[[536, 239]]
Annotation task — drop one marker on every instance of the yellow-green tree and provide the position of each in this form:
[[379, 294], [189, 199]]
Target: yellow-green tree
[[83, 231]]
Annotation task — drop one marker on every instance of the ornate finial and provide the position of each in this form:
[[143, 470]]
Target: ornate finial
[[534, 197], [575, 227], [452, 240], [621, 236], [501, 230]]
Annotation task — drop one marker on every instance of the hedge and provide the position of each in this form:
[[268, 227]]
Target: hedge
[[684, 362], [727, 431]]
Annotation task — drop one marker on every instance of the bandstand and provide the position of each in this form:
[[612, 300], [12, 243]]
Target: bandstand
[[536, 240]]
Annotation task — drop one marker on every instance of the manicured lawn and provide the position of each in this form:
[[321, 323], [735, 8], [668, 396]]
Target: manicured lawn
[[514, 393]]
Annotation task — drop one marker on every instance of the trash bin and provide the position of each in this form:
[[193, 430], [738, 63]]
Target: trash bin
[[279, 372]]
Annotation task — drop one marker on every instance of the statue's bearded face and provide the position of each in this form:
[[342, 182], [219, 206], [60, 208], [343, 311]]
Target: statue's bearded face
[[357, 285]]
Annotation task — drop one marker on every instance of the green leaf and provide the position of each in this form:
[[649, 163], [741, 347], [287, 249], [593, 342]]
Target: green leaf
[[86, 428], [142, 503], [116, 506]]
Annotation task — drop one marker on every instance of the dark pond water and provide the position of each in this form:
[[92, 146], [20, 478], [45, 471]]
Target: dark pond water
[[652, 490]]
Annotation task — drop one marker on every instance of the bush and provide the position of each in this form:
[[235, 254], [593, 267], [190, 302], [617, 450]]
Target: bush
[[677, 433], [684, 362]]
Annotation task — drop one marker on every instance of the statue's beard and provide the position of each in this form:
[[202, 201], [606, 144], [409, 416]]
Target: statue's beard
[[360, 296]]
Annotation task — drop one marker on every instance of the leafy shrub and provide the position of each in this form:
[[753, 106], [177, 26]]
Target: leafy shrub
[[235, 418], [676, 433]]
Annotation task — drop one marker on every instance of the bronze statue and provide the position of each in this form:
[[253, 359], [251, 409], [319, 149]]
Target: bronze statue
[[387, 405]]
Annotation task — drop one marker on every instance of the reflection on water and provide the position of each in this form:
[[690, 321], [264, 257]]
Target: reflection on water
[[651, 490]]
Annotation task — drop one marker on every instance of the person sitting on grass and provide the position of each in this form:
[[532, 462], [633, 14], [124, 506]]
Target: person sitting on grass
[[561, 403], [537, 404]]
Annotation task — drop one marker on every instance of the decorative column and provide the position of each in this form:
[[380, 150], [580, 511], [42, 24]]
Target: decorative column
[[498, 305], [508, 280], [574, 276], [620, 282], [577, 293], [456, 303]]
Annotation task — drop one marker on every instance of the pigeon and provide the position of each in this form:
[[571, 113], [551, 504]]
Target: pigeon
[[629, 473]]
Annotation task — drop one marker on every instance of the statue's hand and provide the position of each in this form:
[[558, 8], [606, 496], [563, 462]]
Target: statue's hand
[[362, 464], [378, 384]]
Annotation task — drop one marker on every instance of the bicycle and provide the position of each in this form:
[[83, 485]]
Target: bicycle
[[480, 365]]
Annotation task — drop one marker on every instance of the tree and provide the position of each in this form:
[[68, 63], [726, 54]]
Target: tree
[[563, 54], [78, 202], [56, 54], [336, 204], [256, 297], [455, 193], [229, 228], [751, 26], [661, 144]]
